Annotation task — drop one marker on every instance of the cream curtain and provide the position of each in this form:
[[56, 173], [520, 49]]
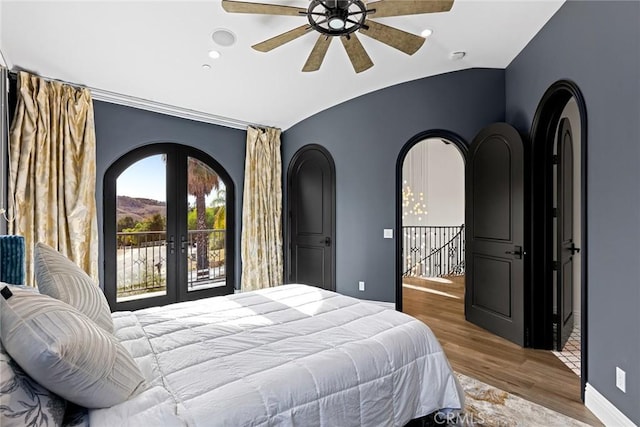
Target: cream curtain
[[262, 211], [52, 175]]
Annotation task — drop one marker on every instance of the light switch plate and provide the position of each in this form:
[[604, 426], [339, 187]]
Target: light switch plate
[[388, 233]]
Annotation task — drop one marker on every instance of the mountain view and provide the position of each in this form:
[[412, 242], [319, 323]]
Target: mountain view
[[138, 208]]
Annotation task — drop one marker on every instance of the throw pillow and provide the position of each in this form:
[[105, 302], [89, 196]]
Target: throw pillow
[[65, 351], [62, 279]]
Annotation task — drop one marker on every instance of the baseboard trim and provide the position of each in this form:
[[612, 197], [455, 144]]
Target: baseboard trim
[[605, 410]]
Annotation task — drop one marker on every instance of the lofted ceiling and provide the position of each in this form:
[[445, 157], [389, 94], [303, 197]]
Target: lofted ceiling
[[155, 51]]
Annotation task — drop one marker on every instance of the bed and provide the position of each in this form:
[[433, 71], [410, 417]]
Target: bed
[[291, 355], [284, 356]]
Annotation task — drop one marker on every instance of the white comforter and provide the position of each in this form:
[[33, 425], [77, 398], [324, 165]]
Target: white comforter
[[287, 356]]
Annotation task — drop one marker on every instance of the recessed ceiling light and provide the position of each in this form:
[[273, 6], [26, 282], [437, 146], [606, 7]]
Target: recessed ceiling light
[[214, 54], [223, 37], [426, 32], [206, 66], [458, 55]]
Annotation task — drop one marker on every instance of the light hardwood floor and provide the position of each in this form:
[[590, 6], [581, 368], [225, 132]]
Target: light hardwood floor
[[535, 375]]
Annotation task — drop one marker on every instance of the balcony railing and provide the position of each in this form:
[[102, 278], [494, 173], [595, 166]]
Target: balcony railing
[[433, 251], [142, 261]]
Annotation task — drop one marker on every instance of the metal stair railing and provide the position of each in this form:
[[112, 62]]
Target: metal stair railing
[[433, 251]]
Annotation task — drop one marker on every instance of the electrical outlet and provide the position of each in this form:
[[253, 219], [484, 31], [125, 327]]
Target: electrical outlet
[[621, 379], [361, 285]]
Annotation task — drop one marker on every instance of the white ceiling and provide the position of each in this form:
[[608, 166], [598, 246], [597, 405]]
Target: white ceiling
[[154, 50]]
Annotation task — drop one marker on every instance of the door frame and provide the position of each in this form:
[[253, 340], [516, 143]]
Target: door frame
[[462, 147], [287, 216], [542, 136]]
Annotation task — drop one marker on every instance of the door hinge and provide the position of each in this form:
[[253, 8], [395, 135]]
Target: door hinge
[[555, 159], [555, 318], [554, 265], [554, 212]]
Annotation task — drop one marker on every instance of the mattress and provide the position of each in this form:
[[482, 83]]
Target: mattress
[[284, 356]]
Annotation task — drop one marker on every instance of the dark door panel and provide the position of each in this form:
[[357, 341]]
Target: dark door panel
[[494, 296], [311, 202], [310, 267], [490, 184], [565, 244]]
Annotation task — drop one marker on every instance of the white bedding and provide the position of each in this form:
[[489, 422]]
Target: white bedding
[[284, 356]]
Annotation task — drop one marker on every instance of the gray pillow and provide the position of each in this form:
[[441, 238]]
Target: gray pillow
[[62, 279], [23, 401], [65, 351]]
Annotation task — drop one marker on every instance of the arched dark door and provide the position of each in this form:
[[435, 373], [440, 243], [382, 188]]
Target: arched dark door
[[311, 213], [566, 247], [494, 294]]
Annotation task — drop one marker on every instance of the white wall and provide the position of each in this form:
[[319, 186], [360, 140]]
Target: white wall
[[436, 170]]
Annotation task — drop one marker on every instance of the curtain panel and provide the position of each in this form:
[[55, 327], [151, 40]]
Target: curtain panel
[[52, 172], [261, 245]]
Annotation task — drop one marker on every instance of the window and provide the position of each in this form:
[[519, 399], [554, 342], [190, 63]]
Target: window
[[168, 231]]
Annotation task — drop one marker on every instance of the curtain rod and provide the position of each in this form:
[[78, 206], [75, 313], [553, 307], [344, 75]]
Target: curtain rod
[[154, 106]]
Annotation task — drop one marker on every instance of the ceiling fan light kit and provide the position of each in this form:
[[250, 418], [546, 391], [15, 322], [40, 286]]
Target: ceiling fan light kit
[[343, 18]]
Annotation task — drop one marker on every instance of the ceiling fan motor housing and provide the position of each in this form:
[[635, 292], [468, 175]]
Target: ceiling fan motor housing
[[337, 17]]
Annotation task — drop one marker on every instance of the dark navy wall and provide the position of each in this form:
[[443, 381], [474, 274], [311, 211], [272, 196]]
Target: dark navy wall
[[365, 136], [120, 129], [596, 45]]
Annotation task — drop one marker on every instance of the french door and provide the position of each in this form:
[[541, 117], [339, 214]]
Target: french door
[[168, 227]]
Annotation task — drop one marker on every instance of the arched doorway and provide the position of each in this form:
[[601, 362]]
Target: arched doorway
[[553, 304], [430, 196]]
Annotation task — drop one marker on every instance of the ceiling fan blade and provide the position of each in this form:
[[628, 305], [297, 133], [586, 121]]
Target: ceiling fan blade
[[408, 7], [401, 40], [261, 8], [358, 56], [317, 54], [281, 39]]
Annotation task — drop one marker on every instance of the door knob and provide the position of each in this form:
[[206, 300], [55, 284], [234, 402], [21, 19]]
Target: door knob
[[573, 249], [326, 241]]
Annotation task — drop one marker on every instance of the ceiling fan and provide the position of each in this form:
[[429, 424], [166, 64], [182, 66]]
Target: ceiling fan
[[343, 18]]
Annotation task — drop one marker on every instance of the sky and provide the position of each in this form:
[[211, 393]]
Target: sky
[[147, 179]]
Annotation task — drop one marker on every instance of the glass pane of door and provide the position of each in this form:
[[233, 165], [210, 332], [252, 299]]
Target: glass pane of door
[[141, 215], [206, 224]]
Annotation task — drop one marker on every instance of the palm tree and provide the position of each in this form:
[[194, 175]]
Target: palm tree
[[201, 180], [220, 208]]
